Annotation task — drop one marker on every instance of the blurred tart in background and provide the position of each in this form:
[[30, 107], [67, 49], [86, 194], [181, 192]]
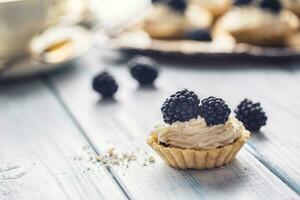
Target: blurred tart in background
[[264, 23], [172, 19], [164, 22]]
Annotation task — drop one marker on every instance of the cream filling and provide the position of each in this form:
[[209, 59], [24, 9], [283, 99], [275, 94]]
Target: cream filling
[[195, 134]]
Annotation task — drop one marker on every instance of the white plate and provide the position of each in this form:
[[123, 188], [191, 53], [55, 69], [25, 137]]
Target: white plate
[[81, 42]]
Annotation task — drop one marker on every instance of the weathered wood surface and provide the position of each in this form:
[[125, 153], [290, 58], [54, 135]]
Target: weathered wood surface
[[127, 122], [42, 152]]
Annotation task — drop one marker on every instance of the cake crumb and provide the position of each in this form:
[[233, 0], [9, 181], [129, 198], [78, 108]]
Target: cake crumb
[[151, 159], [110, 151], [132, 157], [99, 158], [113, 157]]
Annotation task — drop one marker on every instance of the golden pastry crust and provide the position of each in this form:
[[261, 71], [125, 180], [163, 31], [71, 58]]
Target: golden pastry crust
[[258, 27], [215, 7], [197, 159]]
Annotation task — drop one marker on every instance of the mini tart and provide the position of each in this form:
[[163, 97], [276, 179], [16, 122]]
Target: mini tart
[[256, 26], [215, 7], [197, 159], [165, 23]]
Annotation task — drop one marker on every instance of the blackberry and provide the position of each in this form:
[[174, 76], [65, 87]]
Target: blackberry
[[271, 5], [178, 5], [214, 110], [105, 84], [251, 114], [199, 35], [242, 2], [143, 69], [181, 106]]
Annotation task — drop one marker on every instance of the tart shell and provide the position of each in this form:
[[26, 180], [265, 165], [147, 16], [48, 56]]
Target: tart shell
[[197, 159]]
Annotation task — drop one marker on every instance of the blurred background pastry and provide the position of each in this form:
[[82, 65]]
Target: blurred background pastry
[[166, 20], [263, 23], [173, 19]]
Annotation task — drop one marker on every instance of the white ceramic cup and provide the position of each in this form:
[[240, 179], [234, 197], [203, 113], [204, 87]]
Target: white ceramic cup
[[20, 20]]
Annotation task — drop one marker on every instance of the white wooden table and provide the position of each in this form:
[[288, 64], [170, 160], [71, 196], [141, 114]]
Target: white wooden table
[[52, 127]]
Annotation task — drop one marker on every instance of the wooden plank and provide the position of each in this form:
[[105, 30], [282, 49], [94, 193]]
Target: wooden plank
[[127, 122], [42, 153]]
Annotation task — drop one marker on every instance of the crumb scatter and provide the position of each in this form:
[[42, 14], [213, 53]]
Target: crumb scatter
[[113, 157]]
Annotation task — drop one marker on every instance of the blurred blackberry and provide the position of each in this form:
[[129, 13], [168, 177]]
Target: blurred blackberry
[[214, 110], [105, 84], [199, 35], [181, 106], [251, 114], [242, 2], [143, 69], [271, 5], [178, 5]]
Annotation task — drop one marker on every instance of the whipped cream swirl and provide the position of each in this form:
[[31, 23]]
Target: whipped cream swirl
[[195, 134]]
